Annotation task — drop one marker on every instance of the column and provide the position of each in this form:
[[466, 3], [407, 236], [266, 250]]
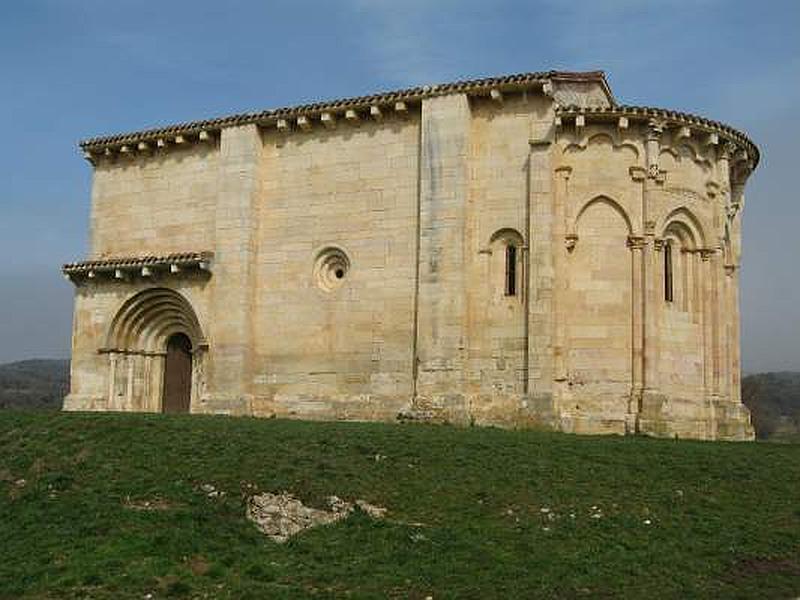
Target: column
[[564, 240], [637, 245]]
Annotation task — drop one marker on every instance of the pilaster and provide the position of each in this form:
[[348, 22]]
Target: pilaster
[[441, 319], [236, 220], [541, 274]]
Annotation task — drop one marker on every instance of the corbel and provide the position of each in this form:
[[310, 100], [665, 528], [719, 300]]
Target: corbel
[[126, 151], [328, 120], [547, 88], [684, 132], [637, 173], [712, 189], [496, 95], [375, 112], [205, 136], [570, 240], [174, 268], [89, 156], [649, 227], [351, 115], [304, 123], [557, 121], [143, 147], [622, 123], [120, 274], [146, 272], [161, 143], [730, 269], [401, 109], [282, 125], [204, 265], [712, 139], [179, 139], [580, 121]]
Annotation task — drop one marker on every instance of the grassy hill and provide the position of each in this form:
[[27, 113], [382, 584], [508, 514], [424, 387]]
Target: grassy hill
[[473, 513], [35, 383]]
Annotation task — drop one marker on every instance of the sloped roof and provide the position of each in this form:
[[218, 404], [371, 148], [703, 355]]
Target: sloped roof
[[504, 82]]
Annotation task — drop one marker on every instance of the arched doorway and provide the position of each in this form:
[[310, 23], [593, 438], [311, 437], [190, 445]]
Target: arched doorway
[[178, 374], [156, 354]]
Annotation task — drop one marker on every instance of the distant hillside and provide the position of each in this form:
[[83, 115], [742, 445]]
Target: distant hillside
[[774, 403], [39, 384]]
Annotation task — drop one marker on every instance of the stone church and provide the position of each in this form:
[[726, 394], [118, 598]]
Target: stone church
[[520, 251]]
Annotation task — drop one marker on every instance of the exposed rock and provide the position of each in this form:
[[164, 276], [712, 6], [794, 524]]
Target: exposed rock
[[281, 516]]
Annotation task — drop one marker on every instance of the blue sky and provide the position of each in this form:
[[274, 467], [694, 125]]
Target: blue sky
[[73, 69]]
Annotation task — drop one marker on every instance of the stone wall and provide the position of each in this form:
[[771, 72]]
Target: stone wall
[[488, 258]]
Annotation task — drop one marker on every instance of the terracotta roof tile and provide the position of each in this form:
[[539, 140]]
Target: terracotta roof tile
[[109, 264], [647, 112], [414, 93]]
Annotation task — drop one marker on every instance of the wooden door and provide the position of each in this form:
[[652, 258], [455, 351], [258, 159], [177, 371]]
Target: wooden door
[[178, 374]]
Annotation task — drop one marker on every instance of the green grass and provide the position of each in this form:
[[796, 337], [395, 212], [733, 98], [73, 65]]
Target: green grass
[[466, 511]]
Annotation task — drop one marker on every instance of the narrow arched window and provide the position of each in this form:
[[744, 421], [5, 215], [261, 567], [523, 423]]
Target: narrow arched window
[[511, 270], [668, 287]]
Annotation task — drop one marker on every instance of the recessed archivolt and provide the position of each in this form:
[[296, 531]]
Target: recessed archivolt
[[508, 235], [608, 202], [145, 321], [683, 224]]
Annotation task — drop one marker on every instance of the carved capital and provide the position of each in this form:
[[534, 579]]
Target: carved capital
[[636, 242], [730, 270], [726, 150], [706, 253], [564, 171], [656, 174], [658, 244], [655, 129], [649, 227]]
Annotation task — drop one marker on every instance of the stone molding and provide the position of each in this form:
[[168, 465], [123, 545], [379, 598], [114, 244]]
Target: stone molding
[[660, 120], [128, 268], [305, 117]]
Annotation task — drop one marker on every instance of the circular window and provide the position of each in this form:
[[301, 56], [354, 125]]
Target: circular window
[[331, 268]]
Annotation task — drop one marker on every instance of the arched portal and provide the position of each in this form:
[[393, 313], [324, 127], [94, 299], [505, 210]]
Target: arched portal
[[156, 353], [178, 374]]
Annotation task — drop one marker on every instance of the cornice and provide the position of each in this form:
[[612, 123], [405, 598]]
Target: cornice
[[660, 118], [127, 268], [301, 116]]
